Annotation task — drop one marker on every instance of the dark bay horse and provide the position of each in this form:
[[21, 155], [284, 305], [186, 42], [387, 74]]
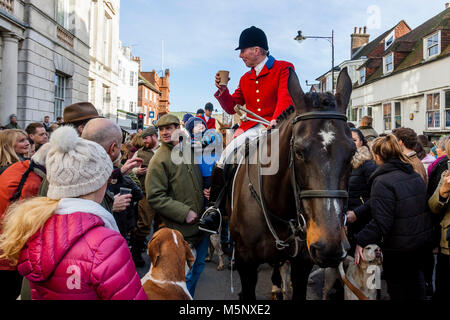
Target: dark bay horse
[[296, 213]]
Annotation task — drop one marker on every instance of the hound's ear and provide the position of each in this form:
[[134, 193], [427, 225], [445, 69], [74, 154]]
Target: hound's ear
[[154, 250], [343, 90], [230, 124], [296, 92], [189, 256]]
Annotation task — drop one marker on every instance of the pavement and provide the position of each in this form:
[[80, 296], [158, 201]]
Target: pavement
[[216, 285]]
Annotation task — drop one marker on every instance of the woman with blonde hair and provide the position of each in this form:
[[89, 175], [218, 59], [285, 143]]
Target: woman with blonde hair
[[400, 223], [14, 147], [66, 244]]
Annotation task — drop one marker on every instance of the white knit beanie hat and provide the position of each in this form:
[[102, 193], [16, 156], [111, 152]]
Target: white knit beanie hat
[[75, 166]]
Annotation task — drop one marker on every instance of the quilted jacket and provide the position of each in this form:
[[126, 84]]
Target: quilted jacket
[[75, 257]]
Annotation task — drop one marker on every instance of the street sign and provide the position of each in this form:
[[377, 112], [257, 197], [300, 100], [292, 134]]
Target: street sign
[[151, 114]]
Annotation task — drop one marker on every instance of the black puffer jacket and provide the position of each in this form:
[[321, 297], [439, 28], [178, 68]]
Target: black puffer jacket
[[400, 221]]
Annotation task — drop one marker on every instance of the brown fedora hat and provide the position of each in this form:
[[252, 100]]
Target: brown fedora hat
[[80, 111]]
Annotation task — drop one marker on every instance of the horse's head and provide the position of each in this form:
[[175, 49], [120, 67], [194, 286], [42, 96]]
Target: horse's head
[[322, 151]]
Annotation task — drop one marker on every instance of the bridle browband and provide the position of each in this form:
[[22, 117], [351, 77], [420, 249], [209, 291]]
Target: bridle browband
[[306, 194]]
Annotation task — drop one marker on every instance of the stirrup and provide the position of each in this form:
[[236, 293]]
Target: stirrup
[[208, 212]]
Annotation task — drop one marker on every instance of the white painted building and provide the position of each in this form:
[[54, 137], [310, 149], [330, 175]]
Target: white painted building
[[127, 94], [44, 57], [104, 55]]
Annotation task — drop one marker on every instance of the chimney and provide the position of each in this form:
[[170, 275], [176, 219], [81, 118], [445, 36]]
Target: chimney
[[358, 40]]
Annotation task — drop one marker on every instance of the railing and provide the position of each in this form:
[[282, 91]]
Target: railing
[[7, 5], [64, 36]]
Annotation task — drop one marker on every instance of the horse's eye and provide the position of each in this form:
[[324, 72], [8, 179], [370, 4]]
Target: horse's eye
[[299, 155]]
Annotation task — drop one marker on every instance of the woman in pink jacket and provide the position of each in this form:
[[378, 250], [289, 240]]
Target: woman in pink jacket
[[67, 245]]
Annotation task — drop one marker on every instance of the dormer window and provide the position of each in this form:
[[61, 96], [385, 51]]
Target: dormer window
[[389, 40], [388, 63], [362, 75], [432, 45]]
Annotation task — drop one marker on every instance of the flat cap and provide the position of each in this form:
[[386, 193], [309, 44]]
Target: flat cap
[[167, 119], [149, 132]]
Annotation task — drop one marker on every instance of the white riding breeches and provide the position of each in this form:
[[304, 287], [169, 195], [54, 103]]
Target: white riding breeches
[[228, 155]]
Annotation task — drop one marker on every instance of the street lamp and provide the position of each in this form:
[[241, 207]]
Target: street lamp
[[300, 39]]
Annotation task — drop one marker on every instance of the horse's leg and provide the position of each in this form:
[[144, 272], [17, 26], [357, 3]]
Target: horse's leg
[[276, 282], [248, 272], [300, 270]]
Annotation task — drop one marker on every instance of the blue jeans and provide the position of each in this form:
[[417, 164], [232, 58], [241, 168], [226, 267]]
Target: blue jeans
[[192, 277]]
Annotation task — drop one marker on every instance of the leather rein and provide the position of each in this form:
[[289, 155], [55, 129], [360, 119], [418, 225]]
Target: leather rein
[[298, 226]]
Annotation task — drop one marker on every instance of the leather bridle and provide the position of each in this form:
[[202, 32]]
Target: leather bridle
[[308, 194]]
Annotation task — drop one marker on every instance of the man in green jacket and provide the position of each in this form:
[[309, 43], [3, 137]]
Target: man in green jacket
[[174, 189]]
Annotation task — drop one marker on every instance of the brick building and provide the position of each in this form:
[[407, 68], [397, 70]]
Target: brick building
[[148, 100], [162, 86]]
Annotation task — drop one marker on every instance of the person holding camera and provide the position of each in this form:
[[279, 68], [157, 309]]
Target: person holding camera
[[439, 205]]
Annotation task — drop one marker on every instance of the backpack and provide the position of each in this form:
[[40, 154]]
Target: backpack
[[19, 181]]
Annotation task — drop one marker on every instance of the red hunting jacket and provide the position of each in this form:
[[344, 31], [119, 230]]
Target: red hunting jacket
[[211, 123], [266, 94]]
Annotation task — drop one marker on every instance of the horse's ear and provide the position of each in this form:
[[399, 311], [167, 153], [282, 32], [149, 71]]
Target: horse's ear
[[220, 123], [343, 90], [295, 91]]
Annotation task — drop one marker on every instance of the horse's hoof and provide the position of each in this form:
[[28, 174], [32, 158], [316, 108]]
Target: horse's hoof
[[220, 267], [208, 259]]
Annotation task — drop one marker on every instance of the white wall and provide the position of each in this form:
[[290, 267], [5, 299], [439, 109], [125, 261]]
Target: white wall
[[408, 87]]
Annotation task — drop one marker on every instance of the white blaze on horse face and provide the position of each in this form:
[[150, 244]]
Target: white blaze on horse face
[[328, 137]]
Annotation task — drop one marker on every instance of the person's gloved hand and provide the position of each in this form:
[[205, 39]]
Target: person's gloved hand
[[211, 137]]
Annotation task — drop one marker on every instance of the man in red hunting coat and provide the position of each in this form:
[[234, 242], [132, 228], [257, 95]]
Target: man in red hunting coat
[[207, 116], [263, 90]]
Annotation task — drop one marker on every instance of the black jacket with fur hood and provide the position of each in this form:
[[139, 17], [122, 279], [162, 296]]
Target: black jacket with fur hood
[[400, 221], [358, 184], [359, 189]]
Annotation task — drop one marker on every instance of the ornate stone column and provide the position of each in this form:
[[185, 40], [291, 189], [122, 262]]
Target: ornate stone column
[[8, 87]]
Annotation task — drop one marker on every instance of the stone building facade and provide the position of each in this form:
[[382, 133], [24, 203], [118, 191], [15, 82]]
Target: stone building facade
[[44, 57], [104, 56]]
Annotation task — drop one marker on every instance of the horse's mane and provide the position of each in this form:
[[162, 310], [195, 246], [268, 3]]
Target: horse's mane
[[319, 101], [285, 114]]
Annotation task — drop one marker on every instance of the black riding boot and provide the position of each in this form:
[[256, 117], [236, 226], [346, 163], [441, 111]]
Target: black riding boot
[[210, 221]]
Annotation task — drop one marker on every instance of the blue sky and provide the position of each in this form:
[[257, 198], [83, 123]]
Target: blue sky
[[200, 36]]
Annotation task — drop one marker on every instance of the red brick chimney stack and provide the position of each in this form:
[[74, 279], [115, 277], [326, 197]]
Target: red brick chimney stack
[[358, 39]]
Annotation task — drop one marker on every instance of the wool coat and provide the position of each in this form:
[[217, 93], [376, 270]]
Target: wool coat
[[175, 189]]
